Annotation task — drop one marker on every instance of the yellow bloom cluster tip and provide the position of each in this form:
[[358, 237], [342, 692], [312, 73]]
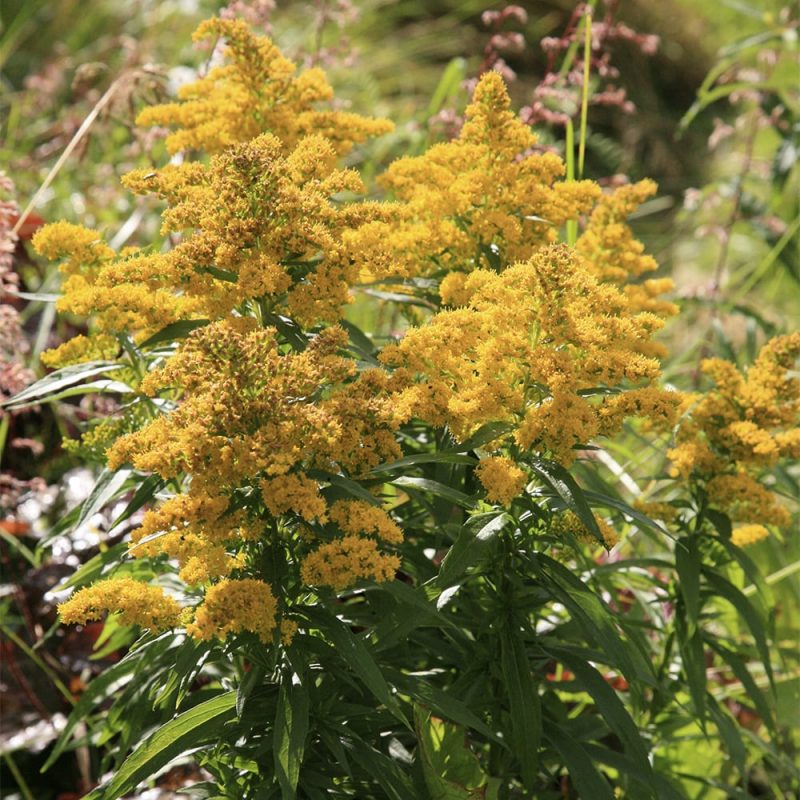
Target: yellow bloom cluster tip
[[136, 603]]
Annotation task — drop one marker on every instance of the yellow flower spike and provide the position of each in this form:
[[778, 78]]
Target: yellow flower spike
[[294, 492], [137, 603], [482, 201], [745, 423], [255, 92]]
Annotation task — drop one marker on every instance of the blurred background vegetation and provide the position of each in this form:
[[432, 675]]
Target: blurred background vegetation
[[716, 123]]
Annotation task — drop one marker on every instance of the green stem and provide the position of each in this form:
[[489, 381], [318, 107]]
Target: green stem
[[21, 785], [587, 55], [33, 656], [4, 423], [775, 577], [572, 224]]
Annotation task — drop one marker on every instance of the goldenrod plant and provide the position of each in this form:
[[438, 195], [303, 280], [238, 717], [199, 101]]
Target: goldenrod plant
[[384, 562]]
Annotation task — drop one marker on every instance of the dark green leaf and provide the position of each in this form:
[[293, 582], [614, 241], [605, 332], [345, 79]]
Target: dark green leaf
[[596, 619], [435, 488], [443, 703], [524, 704], [608, 703], [145, 492], [485, 434], [748, 612], [185, 732], [687, 563], [476, 535], [173, 332], [289, 738], [583, 774], [356, 655], [564, 485], [424, 458], [739, 669]]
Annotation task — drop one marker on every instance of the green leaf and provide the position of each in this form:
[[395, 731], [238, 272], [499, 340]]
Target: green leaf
[[435, 488], [386, 771], [145, 492], [654, 785], [39, 297], [739, 669], [174, 331], [729, 731], [108, 485], [185, 732], [93, 696], [350, 487], [524, 704], [451, 770], [687, 563], [413, 601], [475, 536], [363, 345], [608, 703], [694, 665], [56, 381], [485, 434], [289, 329], [103, 386], [289, 736], [565, 486], [748, 612], [424, 458], [356, 655], [443, 703], [596, 619], [596, 499], [449, 85], [583, 774], [94, 567], [398, 297]]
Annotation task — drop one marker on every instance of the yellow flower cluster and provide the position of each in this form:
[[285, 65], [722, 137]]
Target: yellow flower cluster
[[745, 535], [745, 424], [257, 222], [344, 561], [530, 346], [358, 517], [136, 602], [249, 408], [480, 201], [233, 607], [257, 91], [502, 479], [260, 230], [254, 417]]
